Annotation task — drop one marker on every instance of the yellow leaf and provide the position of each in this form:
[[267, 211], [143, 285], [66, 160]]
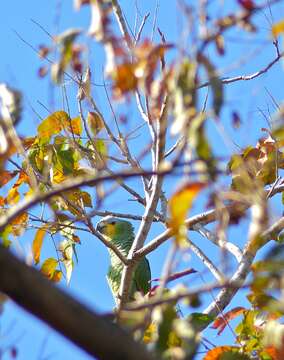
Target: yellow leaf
[[179, 205], [150, 334], [76, 126], [58, 176], [95, 122], [278, 28], [13, 196], [48, 267], [37, 243], [53, 124]]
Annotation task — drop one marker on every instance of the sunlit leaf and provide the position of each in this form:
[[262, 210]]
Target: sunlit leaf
[[76, 126], [124, 79], [2, 201], [277, 28], [37, 243], [57, 276], [4, 236], [13, 196], [48, 267], [179, 205], [150, 334], [53, 124], [225, 353]]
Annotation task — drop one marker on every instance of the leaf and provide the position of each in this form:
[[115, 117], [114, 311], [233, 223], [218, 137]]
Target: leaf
[[13, 196], [48, 267], [53, 124], [76, 126], [95, 122], [247, 4], [166, 339], [37, 243], [19, 224], [179, 205], [150, 334], [225, 353], [6, 176], [124, 79], [4, 236], [277, 28], [67, 37], [57, 275], [200, 321], [222, 321]]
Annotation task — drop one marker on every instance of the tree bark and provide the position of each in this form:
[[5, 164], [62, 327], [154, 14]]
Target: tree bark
[[90, 331]]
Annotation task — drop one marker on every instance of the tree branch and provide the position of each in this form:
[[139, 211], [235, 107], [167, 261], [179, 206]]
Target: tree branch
[[90, 331]]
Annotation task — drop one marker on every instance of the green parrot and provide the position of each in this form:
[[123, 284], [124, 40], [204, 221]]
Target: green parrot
[[121, 234]]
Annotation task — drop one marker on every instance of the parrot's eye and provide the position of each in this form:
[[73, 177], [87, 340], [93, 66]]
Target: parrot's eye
[[113, 223]]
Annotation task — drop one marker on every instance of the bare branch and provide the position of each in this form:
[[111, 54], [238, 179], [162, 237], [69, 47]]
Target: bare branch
[[248, 77], [232, 248], [206, 261]]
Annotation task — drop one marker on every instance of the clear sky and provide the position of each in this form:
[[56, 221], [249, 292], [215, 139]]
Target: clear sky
[[18, 67]]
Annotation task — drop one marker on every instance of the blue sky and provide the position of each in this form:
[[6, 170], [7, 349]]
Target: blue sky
[[18, 67]]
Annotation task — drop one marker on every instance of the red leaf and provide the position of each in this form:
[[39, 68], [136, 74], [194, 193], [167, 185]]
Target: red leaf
[[247, 4], [222, 321]]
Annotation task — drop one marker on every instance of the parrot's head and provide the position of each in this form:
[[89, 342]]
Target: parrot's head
[[112, 227]]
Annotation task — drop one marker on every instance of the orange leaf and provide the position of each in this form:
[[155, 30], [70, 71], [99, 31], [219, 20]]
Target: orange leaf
[[6, 176], [272, 352], [57, 275], [124, 79], [49, 267], [217, 353], [23, 178], [2, 201], [19, 223], [37, 243], [222, 321]]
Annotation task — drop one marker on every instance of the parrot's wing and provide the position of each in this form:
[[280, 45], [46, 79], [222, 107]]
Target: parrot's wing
[[142, 276]]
